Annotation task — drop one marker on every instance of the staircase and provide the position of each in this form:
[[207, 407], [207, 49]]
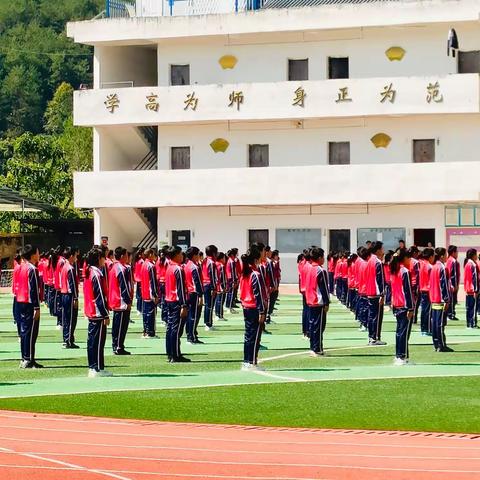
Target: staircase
[[150, 160], [150, 218]]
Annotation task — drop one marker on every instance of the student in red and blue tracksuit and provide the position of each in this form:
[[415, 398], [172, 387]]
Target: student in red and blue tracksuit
[[17, 261], [137, 276], [120, 300], [344, 278], [272, 290], [221, 286], [303, 268], [425, 271], [402, 303], [318, 300], [28, 305], [388, 280], [414, 279], [69, 291], [232, 278], [149, 294], [209, 274], [194, 285], [331, 262], [96, 310], [273, 269], [176, 302], [375, 281], [161, 269], [352, 291], [453, 270], [58, 263], [471, 285], [254, 307], [361, 312], [439, 298]]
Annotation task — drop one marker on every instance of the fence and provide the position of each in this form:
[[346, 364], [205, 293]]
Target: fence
[[6, 278]]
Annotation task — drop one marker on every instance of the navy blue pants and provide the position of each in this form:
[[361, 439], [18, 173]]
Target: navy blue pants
[[271, 304], [253, 335], [352, 299], [230, 299], [16, 316], [438, 326], [331, 283], [219, 301], [470, 306], [344, 290], [161, 303], [69, 318], [425, 312], [120, 322], [175, 326], [194, 311], [97, 335], [402, 335], [51, 300], [375, 318], [452, 305], [209, 305], [388, 294], [28, 330], [58, 306], [317, 323], [305, 316], [362, 310], [149, 311], [138, 296]]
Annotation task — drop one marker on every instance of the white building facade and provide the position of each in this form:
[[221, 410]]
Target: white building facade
[[325, 122]]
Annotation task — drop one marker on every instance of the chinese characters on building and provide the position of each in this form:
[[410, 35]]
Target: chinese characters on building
[[237, 98]]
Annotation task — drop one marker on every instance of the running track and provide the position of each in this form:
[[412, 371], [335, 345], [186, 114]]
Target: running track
[[52, 447]]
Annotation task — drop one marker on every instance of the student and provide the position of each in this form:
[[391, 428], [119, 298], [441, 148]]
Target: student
[[375, 281], [58, 263], [28, 305], [50, 295], [303, 267], [471, 284], [401, 245], [402, 303], [17, 261], [318, 300], [137, 275], [109, 261], [232, 279], [176, 302], [271, 283], [440, 298], [344, 278], [69, 291], [254, 308], [425, 270], [96, 310], [351, 285], [414, 279], [276, 279], [209, 273], [193, 281], [388, 283], [361, 313], [337, 277], [120, 300], [41, 268], [161, 270], [221, 287], [149, 294], [264, 277], [331, 261], [453, 271]]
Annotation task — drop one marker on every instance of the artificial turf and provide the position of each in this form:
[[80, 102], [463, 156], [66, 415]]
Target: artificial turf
[[433, 404]]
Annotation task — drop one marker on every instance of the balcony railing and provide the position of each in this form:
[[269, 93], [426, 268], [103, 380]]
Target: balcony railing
[[161, 8]]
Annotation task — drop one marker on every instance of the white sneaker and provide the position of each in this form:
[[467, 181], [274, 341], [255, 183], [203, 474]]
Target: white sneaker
[[59, 327], [104, 373], [92, 373], [314, 354], [399, 362], [23, 363], [258, 368], [246, 367], [208, 329]]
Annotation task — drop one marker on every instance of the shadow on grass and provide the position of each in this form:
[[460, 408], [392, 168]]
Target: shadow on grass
[[309, 370], [156, 375]]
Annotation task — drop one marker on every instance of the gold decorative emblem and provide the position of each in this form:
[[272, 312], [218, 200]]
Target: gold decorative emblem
[[395, 53], [219, 145], [381, 140], [228, 61]]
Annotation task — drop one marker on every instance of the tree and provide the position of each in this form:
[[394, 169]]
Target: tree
[[59, 109]]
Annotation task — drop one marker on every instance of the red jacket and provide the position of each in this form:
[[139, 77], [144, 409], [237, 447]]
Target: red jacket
[[161, 270], [209, 273], [439, 291], [316, 288], [360, 280], [221, 277], [27, 284], [402, 295], [175, 288], [148, 281], [193, 278], [374, 277], [251, 292], [119, 291], [68, 282], [470, 278], [453, 269], [303, 268], [95, 299], [424, 275], [137, 270], [56, 275]]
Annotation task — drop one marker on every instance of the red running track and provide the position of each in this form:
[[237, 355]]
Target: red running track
[[53, 447]]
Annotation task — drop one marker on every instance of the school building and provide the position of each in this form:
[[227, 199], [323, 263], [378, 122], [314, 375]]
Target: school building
[[293, 122]]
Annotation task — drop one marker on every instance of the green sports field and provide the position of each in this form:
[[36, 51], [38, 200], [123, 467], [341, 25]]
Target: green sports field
[[353, 386]]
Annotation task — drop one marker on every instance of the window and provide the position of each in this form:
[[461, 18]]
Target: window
[[179, 74], [338, 67], [294, 240], [255, 236], [181, 238], [180, 158], [389, 236], [339, 240], [298, 69], [469, 62], [338, 153], [258, 156], [423, 151], [423, 236]]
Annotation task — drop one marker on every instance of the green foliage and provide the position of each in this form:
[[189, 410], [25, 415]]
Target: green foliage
[[59, 109]]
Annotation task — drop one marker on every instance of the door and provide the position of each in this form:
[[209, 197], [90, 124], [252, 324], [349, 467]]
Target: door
[[339, 240], [469, 62], [255, 236], [424, 151], [181, 238], [423, 236]]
